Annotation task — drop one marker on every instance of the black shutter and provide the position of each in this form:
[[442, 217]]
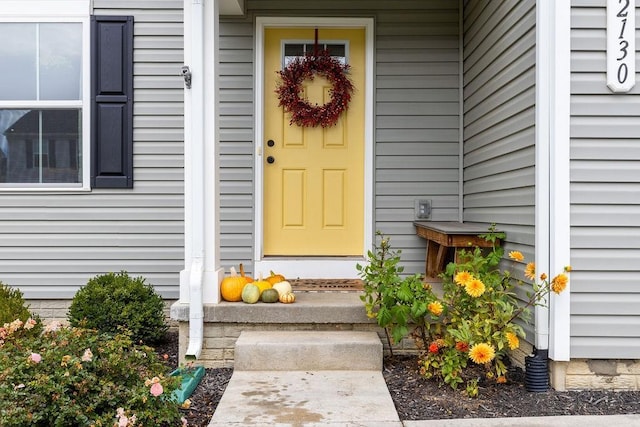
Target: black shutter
[[112, 101]]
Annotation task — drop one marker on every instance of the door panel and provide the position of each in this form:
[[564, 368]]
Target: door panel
[[314, 188]]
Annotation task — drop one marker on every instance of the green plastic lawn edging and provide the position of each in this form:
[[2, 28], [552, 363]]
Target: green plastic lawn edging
[[190, 379]]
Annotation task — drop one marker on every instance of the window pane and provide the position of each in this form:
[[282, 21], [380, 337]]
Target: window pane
[[40, 146], [60, 61], [291, 52], [18, 64], [294, 50], [337, 50]]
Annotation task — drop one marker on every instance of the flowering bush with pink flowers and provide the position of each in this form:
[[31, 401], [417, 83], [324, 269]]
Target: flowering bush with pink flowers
[[70, 376]]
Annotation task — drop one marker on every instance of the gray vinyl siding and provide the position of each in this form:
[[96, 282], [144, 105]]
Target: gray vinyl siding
[[417, 121], [499, 120], [52, 243], [236, 113], [605, 198], [416, 136]]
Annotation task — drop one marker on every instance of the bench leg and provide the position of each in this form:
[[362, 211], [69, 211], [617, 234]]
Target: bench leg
[[436, 256]]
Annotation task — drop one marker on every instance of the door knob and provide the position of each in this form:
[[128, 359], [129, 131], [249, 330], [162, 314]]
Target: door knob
[[270, 159]]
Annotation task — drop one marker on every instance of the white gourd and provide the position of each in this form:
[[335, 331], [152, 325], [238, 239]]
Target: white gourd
[[283, 287]]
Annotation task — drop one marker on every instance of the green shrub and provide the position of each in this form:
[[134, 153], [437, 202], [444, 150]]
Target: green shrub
[[14, 308], [110, 302], [395, 301], [78, 377]]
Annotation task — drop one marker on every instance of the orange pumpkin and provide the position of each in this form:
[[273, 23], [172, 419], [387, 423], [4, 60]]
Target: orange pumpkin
[[249, 279], [275, 278], [231, 286]]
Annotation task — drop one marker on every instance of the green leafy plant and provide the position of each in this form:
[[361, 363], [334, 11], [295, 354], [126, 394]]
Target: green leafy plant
[[112, 301], [475, 318], [395, 301], [70, 376]]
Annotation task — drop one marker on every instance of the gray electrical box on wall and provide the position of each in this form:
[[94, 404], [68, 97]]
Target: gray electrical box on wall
[[422, 209]]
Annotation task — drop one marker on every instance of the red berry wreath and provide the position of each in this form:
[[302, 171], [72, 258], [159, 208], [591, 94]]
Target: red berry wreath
[[301, 69]]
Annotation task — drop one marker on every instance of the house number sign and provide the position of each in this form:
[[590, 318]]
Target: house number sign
[[621, 45]]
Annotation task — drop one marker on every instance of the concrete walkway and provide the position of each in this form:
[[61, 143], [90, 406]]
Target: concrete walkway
[[349, 399], [306, 398], [562, 421]]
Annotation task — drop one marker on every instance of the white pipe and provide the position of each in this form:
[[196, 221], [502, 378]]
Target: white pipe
[[196, 172], [542, 144], [460, 112], [196, 312]]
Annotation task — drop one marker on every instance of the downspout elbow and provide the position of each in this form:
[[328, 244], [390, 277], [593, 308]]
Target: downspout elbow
[[196, 311]]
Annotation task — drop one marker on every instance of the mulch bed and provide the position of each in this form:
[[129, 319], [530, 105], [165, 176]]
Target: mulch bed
[[419, 399]]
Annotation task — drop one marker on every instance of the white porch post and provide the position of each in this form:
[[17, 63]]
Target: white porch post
[[560, 248], [213, 274], [199, 280], [552, 247]]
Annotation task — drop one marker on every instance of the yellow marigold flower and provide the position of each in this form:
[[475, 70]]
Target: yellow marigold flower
[[543, 276], [501, 379], [530, 271], [514, 341], [435, 308], [474, 287], [462, 277], [567, 269], [516, 255], [559, 283], [482, 353]]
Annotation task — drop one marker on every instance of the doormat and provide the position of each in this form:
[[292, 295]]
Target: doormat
[[327, 285]]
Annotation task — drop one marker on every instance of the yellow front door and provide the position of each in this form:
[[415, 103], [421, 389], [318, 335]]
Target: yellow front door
[[313, 176]]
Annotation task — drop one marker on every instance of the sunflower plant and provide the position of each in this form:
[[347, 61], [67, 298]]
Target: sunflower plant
[[473, 320]]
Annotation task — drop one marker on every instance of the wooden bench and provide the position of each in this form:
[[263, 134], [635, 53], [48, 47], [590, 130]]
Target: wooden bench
[[441, 236]]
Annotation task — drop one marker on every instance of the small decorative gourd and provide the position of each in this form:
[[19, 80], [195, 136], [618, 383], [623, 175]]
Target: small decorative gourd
[[287, 298], [250, 293], [274, 278], [283, 287], [231, 286], [270, 295]]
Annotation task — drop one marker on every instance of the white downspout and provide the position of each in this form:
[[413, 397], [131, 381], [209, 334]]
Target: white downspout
[[461, 111], [553, 25], [194, 180], [542, 153]]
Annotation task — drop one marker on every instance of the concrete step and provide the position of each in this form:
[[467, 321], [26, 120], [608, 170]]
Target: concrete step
[[308, 351]]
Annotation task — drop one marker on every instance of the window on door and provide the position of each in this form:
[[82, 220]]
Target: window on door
[[298, 49]]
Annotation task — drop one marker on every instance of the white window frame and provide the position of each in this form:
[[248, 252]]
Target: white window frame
[[52, 11]]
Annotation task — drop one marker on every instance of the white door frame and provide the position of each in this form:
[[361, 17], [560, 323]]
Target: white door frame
[[312, 267]]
